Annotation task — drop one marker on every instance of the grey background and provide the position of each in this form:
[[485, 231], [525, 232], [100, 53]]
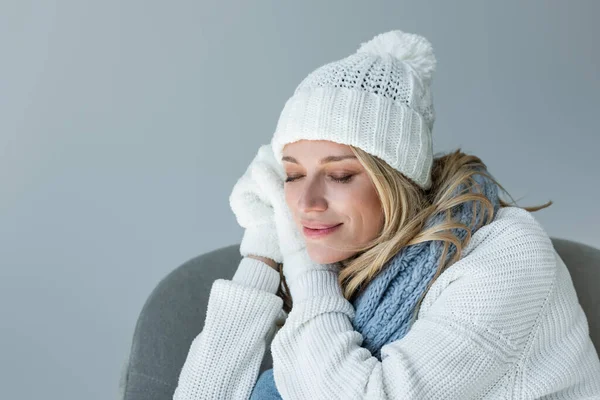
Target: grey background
[[124, 125]]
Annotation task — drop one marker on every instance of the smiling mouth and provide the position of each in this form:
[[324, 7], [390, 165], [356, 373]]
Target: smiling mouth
[[318, 226], [316, 233]]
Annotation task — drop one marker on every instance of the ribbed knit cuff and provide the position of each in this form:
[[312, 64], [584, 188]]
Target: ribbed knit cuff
[[315, 283], [305, 278], [255, 273]]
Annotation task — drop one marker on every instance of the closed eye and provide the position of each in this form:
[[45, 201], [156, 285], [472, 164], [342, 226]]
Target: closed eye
[[342, 179]]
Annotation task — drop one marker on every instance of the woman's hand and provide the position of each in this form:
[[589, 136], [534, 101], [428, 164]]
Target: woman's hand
[[292, 243], [250, 201]]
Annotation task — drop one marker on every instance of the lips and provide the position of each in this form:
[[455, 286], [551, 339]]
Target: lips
[[319, 233], [310, 225]]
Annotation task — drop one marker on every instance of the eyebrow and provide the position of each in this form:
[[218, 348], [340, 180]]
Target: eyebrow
[[325, 160]]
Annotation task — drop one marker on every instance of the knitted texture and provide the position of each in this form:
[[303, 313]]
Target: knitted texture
[[384, 309], [378, 99], [503, 321]]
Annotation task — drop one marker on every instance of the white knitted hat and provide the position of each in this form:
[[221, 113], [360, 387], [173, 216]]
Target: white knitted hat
[[378, 99]]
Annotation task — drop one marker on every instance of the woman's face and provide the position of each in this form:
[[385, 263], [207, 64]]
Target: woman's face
[[316, 198]]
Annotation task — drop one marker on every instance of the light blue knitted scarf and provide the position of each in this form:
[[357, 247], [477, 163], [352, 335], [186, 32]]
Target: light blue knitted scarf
[[384, 309]]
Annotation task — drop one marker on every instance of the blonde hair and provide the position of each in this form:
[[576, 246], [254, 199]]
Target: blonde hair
[[406, 208]]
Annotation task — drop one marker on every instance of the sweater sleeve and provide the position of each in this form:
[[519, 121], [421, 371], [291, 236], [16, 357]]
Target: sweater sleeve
[[466, 343], [224, 359]]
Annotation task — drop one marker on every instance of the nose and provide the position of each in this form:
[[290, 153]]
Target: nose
[[312, 197]]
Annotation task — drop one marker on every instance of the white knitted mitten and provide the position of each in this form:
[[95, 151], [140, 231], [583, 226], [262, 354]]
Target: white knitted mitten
[[251, 204], [292, 243]]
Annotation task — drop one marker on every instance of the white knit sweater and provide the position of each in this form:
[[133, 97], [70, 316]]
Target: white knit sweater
[[503, 322]]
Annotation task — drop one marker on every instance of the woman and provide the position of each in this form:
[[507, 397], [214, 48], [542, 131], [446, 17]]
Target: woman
[[396, 274]]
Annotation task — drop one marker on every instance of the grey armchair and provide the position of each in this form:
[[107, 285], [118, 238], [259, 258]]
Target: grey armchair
[[174, 314]]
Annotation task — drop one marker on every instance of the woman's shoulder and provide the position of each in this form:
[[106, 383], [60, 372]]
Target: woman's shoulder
[[513, 233], [510, 257]]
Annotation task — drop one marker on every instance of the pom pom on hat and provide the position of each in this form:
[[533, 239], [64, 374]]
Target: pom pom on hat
[[410, 48]]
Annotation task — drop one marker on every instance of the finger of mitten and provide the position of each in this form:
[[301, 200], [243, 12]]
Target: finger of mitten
[[262, 241], [266, 156], [269, 179], [249, 207], [291, 239], [248, 199], [262, 179]]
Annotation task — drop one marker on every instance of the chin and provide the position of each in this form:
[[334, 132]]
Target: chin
[[324, 256]]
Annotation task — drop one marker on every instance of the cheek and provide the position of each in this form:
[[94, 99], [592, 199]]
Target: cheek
[[289, 195], [365, 209]]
